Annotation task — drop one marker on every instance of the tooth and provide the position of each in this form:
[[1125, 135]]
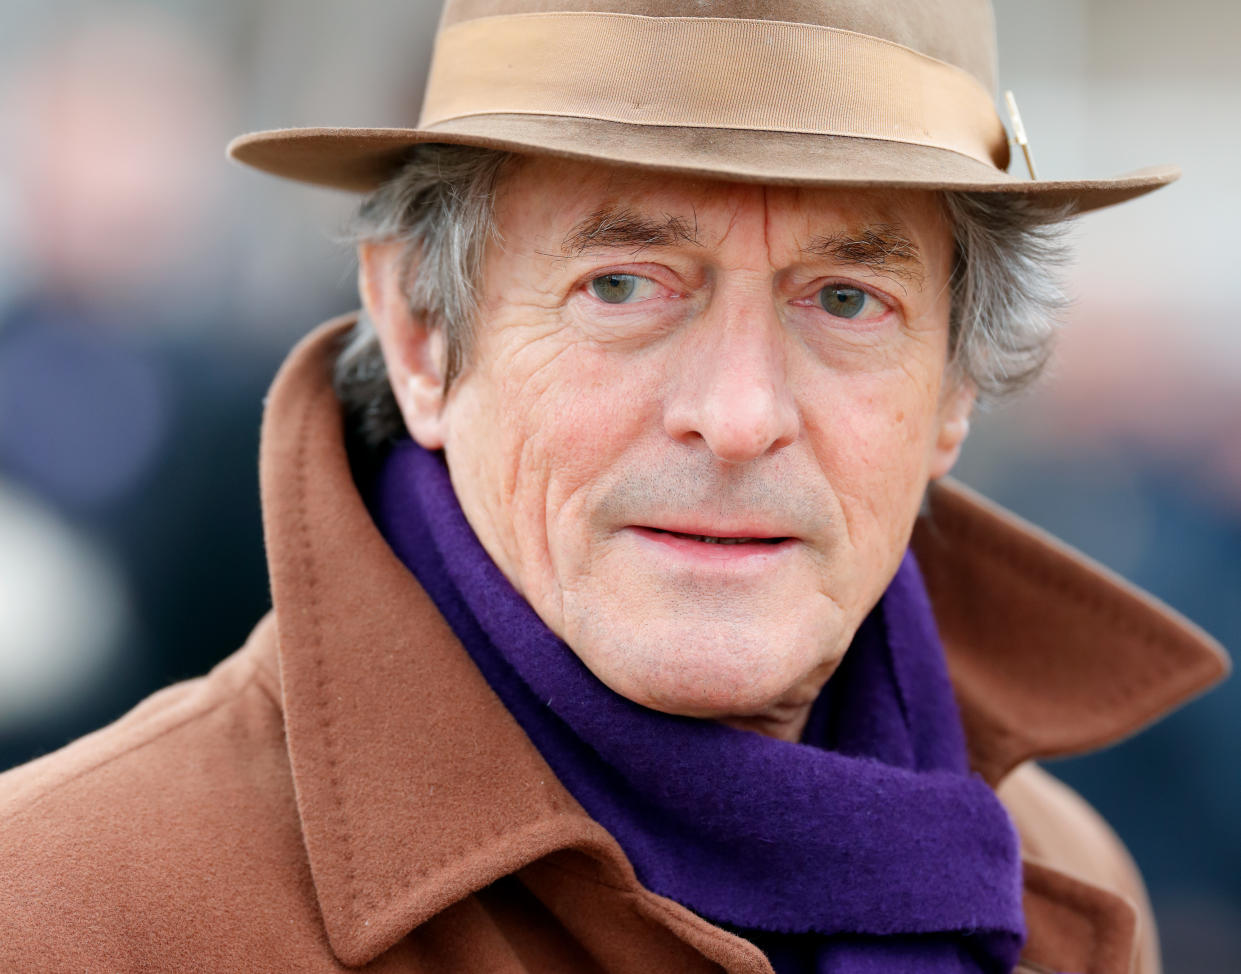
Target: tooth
[[712, 539]]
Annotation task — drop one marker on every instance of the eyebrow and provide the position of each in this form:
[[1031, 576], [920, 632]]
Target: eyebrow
[[883, 247], [619, 226]]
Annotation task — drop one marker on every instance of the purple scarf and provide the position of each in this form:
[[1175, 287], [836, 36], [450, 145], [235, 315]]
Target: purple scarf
[[867, 849]]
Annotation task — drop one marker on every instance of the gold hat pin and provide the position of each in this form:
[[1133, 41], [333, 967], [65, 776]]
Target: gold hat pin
[[1019, 132]]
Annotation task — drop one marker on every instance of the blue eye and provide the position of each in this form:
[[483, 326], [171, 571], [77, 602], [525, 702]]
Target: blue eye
[[614, 288], [843, 302]]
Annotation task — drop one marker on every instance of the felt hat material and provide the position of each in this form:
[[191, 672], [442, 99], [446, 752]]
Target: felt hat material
[[804, 92]]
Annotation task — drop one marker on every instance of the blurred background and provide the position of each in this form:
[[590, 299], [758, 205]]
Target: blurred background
[[149, 289]]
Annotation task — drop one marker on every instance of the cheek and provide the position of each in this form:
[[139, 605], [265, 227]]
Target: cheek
[[540, 431], [872, 435], [872, 426], [580, 422], [562, 416]]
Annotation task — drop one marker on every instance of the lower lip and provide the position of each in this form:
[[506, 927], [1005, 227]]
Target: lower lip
[[752, 553]]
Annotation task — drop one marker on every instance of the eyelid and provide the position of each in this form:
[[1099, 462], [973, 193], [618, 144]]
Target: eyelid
[[649, 271], [874, 292]]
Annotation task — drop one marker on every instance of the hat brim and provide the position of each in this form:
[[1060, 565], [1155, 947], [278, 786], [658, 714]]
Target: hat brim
[[360, 159]]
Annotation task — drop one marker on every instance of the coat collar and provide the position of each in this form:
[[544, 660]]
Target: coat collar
[[1050, 653], [392, 731]]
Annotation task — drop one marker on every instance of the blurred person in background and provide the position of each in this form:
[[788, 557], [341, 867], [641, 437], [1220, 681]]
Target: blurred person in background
[[127, 431], [1045, 942]]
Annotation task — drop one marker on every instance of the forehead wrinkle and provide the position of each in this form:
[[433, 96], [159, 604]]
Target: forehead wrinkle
[[766, 220], [615, 225], [884, 247]]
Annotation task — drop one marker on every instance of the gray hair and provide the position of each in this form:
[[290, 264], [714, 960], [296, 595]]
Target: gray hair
[[1006, 297]]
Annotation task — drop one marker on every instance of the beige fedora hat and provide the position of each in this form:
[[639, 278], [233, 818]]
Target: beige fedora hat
[[806, 92]]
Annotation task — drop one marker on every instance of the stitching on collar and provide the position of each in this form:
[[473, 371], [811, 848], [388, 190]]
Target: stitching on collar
[[314, 649], [1018, 556], [1159, 672]]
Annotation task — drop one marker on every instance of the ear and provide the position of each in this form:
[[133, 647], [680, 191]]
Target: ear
[[413, 353], [956, 405]]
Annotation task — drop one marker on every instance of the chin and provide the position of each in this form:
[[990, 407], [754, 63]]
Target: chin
[[710, 669]]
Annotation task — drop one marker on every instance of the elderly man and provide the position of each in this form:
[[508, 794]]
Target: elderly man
[[609, 554]]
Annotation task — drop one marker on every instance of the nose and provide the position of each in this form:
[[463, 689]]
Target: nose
[[730, 390]]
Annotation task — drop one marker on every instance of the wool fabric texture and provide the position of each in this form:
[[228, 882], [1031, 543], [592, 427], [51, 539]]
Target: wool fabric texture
[[867, 848]]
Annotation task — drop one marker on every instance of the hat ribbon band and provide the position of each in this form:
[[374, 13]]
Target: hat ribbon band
[[708, 72]]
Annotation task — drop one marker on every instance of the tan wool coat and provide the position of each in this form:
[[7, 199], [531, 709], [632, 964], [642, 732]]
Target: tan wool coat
[[347, 792]]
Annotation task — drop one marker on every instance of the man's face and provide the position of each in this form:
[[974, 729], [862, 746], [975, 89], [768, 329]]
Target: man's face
[[698, 420]]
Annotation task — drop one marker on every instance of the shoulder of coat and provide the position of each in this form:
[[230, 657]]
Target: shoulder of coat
[[134, 823], [1060, 829]]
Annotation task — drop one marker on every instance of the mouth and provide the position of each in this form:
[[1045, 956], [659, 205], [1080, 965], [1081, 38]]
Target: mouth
[[719, 539], [743, 550]]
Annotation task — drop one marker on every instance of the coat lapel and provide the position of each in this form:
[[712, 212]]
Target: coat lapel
[[1050, 653]]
